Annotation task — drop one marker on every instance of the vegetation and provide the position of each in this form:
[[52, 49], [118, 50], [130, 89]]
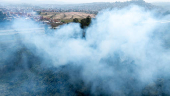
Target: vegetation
[[40, 80], [66, 15], [39, 12], [85, 22], [2, 16], [66, 20], [75, 20], [166, 13]]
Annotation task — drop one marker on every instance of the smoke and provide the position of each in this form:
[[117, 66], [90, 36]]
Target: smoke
[[125, 52]]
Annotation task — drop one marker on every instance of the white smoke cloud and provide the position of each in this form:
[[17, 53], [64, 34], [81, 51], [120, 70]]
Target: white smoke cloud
[[124, 50]]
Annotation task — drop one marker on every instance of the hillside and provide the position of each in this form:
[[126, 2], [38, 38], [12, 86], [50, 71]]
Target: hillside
[[165, 5], [66, 16]]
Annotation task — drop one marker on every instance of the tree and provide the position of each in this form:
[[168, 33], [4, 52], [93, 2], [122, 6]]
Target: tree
[[2, 16], [64, 15], [75, 20], [39, 12], [88, 20], [85, 22]]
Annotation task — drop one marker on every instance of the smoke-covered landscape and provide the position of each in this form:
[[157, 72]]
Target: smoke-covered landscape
[[116, 51]]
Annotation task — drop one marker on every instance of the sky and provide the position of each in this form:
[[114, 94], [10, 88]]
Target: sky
[[71, 1]]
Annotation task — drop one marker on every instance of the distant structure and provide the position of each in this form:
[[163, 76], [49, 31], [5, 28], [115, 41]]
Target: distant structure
[[138, 0]]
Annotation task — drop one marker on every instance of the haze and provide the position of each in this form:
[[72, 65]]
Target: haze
[[72, 1]]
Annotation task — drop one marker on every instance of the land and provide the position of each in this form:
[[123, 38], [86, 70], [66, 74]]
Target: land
[[59, 14], [64, 17], [16, 74], [165, 5]]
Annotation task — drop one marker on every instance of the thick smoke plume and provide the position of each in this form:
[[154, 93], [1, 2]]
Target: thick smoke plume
[[125, 52]]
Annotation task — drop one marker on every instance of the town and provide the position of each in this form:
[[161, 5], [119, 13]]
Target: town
[[47, 12]]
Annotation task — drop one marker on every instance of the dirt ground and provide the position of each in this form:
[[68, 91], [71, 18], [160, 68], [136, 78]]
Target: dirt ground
[[66, 15]]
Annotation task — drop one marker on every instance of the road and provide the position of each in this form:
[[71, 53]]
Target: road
[[21, 31]]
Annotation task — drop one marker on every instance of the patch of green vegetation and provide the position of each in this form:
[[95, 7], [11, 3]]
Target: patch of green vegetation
[[66, 20], [75, 20]]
